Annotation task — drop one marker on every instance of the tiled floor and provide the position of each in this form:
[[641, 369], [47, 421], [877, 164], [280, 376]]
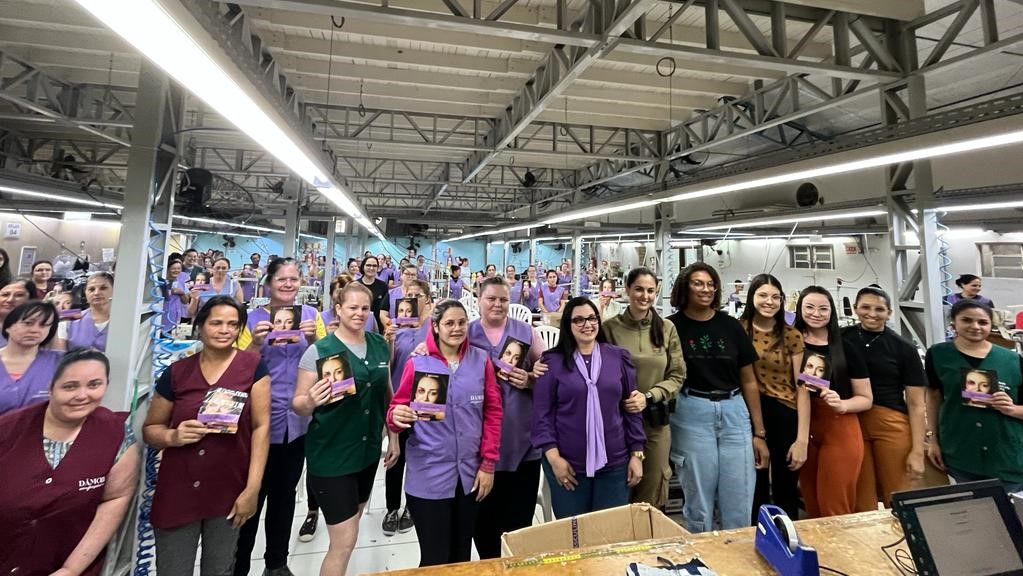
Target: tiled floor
[[374, 552]]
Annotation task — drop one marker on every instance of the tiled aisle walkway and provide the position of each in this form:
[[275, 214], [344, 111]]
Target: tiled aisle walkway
[[374, 552]]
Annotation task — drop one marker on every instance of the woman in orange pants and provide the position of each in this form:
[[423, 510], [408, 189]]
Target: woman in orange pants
[[840, 383]]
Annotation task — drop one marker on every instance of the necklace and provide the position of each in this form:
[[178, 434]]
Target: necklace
[[872, 340]]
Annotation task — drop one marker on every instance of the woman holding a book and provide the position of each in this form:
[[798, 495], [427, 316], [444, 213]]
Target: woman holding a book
[[593, 446], [975, 435], [840, 389], [26, 364], [345, 436], [281, 353], [61, 506], [450, 402], [212, 466]]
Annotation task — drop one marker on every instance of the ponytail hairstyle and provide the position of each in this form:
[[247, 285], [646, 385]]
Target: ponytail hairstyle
[[839, 365], [749, 312], [656, 323]]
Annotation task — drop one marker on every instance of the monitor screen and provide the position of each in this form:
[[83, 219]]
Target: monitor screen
[[968, 538]]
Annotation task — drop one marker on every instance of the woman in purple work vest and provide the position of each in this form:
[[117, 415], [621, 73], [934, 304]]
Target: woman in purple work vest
[[593, 447], [12, 295], [517, 476], [455, 429], [26, 366], [530, 290], [90, 331], [60, 506], [552, 298], [175, 297]]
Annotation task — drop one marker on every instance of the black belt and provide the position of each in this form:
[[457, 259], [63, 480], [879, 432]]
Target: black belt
[[714, 396]]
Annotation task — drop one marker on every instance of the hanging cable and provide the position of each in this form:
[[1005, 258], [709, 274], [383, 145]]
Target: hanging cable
[[944, 265]]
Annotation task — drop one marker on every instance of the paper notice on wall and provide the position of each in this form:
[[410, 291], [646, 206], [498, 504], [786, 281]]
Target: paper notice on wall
[[12, 230], [108, 255]]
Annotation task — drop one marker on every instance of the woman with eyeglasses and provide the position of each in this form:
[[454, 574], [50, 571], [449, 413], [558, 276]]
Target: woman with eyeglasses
[[210, 476], [656, 353], [593, 447], [451, 460], [90, 331], [12, 295], [287, 429], [975, 437], [345, 436], [839, 384], [893, 428], [379, 291], [70, 469], [517, 475], [784, 405], [718, 439], [26, 365]]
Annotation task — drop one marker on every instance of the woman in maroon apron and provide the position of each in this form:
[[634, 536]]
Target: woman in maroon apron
[[70, 468], [211, 417]]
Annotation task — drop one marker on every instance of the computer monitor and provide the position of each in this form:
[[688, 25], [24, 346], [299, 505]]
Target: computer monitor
[[968, 529]]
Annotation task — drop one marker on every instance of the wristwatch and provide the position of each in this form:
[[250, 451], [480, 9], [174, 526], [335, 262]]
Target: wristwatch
[[649, 397], [639, 454]]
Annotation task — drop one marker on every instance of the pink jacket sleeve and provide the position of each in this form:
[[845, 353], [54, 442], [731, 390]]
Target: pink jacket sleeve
[[403, 396], [493, 411]]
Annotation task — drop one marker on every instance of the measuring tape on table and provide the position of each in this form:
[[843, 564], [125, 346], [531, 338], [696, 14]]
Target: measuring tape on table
[[558, 558]]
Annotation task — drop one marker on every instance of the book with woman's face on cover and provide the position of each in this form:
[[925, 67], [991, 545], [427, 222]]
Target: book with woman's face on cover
[[513, 355], [406, 311], [285, 321], [430, 395], [221, 409], [338, 372], [815, 368], [979, 386]]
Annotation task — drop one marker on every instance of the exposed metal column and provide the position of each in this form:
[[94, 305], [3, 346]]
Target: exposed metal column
[[293, 188], [349, 224], [921, 319], [667, 262], [152, 163], [577, 253], [328, 272]]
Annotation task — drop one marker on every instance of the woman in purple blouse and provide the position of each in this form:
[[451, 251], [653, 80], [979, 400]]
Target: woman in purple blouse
[[593, 448]]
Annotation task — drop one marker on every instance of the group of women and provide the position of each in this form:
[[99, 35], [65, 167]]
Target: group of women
[[745, 411]]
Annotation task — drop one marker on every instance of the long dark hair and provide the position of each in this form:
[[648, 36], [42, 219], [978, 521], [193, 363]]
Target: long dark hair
[[79, 355], [5, 268], [656, 323], [29, 310], [839, 365], [566, 341], [680, 292], [749, 312]]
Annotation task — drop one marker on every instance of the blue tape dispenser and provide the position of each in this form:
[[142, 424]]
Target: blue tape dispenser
[[778, 543]]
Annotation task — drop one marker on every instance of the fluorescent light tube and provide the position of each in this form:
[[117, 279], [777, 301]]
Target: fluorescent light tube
[[232, 224], [600, 211], [792, 220], [150, 28], [49, 196], [980, 206]]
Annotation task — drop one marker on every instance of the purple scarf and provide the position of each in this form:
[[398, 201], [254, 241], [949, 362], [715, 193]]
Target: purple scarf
[[596, 452]]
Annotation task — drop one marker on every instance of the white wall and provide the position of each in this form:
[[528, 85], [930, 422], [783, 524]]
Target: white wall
[[47, 234]]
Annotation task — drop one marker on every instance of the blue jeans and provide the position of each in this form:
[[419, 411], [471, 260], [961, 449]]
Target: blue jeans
[[712, 448], [961, 476], [608, 488]]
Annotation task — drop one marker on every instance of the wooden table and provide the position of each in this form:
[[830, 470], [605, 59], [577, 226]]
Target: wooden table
[[851, 544]]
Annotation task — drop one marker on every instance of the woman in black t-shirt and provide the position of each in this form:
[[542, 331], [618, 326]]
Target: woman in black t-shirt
[[712, 445], [893, 429], [840, 385], [378, 289]]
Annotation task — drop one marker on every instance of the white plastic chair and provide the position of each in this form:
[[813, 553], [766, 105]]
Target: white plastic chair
[[550, 336], [521, 313]]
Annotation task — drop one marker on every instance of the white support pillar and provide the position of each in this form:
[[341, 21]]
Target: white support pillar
[[328, 273], [667, 259], [293, 189], [577, 254], [152, 163]]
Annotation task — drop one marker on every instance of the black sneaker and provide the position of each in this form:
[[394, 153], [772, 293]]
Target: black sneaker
[[308, 529], [405, 521], [390, 525], [282, 571]]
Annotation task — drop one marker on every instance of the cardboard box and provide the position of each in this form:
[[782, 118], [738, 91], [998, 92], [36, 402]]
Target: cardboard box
[[613, 526]]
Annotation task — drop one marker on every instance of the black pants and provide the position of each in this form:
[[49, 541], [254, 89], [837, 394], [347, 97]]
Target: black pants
[[394, 476], [509, 506], [280, 479], [778, 485], [444, 527]]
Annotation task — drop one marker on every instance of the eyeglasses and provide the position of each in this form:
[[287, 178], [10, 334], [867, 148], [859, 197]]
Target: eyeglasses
[[580, 321], [701, 285]]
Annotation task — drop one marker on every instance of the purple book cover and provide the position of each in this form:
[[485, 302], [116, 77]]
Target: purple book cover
[[70, 314], [406, 311], [978, 387], [221, 410], [430, 395], [814, 381], [338, 372]]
